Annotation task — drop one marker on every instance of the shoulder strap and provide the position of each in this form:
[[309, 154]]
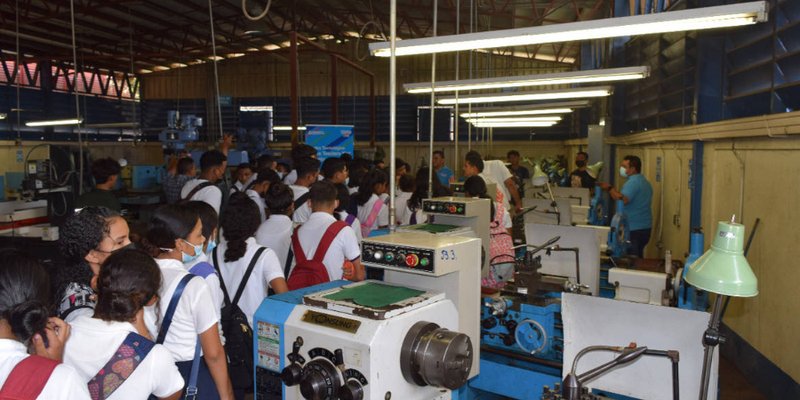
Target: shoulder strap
[[196, 189], [202, 269], [301, 200], [247, 274], [373, 214], [298, 250], [413, 219], [327, 239], [123, 362], [28, 378], [214, 260], [173, 304], [288, 263], [350, 219]]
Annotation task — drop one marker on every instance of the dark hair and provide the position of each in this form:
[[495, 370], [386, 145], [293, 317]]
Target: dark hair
[[185, 165], [512, 153], [585, 154], [439, 152], [408, 183], [284, 165], [306, 166], [302, 151], [239, 221], [103, 169], [208, 216], [25, 287], [279, 198], [264, 161], [322, 192], [634, 162], [211, 159], [343, 195], [266, 175], [367, 186], [168, 224], [358, 168], [127, 282], [399, 163], [331, 166], [474, 159], [346, 157], [421, 189], [243, 166], [475, 186]]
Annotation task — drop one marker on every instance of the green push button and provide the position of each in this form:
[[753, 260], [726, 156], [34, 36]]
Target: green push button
[[424, 262]]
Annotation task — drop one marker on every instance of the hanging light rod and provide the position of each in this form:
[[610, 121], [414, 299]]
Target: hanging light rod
[[55, 122], [559, 78], [562, 107], [287, 128], [671, 21], [530, 124], [550, 118], [576, 93]]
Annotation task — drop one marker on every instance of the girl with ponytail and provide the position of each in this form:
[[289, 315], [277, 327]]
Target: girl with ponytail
[[26, 329], [128, 282]]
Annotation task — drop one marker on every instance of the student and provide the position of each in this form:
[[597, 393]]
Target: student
[[105, 172], [283, 170], [23, 319], [114, 345], [276, 232], [265, 161], [202, 266], [244, 173], [85, 240], [175, 239], [342, 248], [307, 173], [494, 171], [372, 212], [264, 179], [212, 169], [173, 182], [342, 214], [501, 252], [334, 170], [404, 212], [299, 152]]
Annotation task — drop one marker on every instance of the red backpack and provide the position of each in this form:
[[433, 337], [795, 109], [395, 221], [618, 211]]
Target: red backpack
[[28, 378], [312, 272]]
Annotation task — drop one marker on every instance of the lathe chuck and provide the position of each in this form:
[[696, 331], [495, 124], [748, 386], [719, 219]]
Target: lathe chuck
[[435, 356]]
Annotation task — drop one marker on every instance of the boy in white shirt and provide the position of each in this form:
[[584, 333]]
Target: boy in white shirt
[[276, 232], [212, 169], [307, 173]]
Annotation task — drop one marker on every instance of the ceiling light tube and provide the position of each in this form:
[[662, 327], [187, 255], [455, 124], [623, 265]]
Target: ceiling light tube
[[287, 128], [559, 78], [670, 21], [560, 107], [513, 124], [552, 118], [486, 114], [55, 122], [576, 93]]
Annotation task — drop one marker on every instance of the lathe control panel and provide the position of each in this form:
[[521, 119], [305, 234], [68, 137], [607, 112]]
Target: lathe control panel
[[396, 256], [444, 207]]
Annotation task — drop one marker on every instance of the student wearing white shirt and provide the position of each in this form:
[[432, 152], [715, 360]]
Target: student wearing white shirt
[[342, 214], [307, 173], [24, 305], [257, 190], [299, 152], [334, 170], [494, 171], [343, 249], [99, 347], [201, 266], [175, 238], [244, 177], [212, 169], [372, 212], [405, 214], [276, 232], [501, 246], [239, 223]]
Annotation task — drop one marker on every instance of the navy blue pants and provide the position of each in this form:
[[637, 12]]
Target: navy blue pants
[[206, 388], [639, 239]]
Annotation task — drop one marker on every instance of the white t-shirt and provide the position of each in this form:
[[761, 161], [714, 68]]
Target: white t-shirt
[[211, 194], [239, 186], [276, 233], [266, 269], [93, 342], [64, 383], [301, 213], [212, 280], [262, 205], [499, 173], [194, 314], [403, 212], [356, 225], [345, 246], [291, 178], [366, 209]]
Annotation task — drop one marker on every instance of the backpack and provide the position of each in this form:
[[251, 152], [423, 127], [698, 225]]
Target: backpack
[[28, 378], [312, 272], [237, 330], [366, 226], [128, 356], [199, 187]]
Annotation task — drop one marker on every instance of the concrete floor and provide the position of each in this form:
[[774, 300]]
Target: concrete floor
[[733, 385]]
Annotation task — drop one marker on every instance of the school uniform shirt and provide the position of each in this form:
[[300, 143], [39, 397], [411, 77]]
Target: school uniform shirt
[[93, 342], [366, 209], [239, 186], [266, 269], [498, 195], [276, 234], [500, 174], [64, 383], [212, 280], [301, 213], [403, 213], [262, 205], [356, 225], [194, 314], [211, 194], [291, 178], [344, 246]]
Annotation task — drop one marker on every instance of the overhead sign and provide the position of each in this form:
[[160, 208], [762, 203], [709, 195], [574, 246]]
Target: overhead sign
[[330, 140]]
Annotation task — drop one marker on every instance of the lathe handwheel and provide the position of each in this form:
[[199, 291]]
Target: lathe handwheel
[[531, 336]]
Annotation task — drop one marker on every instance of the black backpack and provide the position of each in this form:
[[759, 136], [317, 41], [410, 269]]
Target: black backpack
[[238, 332]]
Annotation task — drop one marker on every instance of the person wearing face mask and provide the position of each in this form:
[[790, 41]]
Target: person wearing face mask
[[580, 178], [201, 266], [86, 239], [212, 169], [637, 194], [175, 238]]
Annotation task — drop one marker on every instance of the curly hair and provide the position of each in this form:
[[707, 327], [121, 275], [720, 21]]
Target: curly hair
[[239, 221], [25, 287], [127, 282]]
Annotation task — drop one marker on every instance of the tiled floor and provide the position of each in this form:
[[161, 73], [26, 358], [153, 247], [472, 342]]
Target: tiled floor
[[733, 385]]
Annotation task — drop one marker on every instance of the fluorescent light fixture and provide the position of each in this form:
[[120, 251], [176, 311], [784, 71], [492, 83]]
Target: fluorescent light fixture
[[3, 116], [235, 55], [513, 124], [270, 47], [552, 118], [54, 122], [559, 78], [287, 128], [160, 68], [513, 113], [576, 93], [561, 107], [671, 21], [255, 109], [215, 58]]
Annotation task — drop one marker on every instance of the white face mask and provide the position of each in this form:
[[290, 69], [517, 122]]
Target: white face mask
[[623, 172]]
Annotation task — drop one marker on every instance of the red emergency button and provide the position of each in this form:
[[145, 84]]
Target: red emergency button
[[412, 260], [452, 209]]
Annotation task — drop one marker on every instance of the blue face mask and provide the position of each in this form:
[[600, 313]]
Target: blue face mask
[[198, 249], [623, 172], [211, 245]]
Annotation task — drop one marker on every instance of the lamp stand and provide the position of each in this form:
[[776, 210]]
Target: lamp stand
[[711, 338]]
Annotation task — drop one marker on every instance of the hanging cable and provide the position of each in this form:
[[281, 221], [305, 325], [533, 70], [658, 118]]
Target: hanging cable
[[471, 56], [259, 16], [392, 112], [133, 72], [216, 71], [19, 110], [433, 103], [77, 99], [458, 71]]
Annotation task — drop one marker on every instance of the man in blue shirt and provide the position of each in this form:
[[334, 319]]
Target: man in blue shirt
[[444, 174], [637, 194]]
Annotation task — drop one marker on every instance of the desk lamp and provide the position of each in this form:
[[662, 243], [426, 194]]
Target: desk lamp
[[594, 169], [723, 270]]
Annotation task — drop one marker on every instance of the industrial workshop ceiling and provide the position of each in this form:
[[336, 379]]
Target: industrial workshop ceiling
[[151, 35]]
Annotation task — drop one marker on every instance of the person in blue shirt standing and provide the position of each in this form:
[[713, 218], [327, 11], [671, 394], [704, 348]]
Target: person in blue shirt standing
[[637, 194], [444, 174]]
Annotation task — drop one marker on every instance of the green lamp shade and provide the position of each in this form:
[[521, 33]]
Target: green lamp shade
[[723, 269], [539, 178], [594, 169]]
